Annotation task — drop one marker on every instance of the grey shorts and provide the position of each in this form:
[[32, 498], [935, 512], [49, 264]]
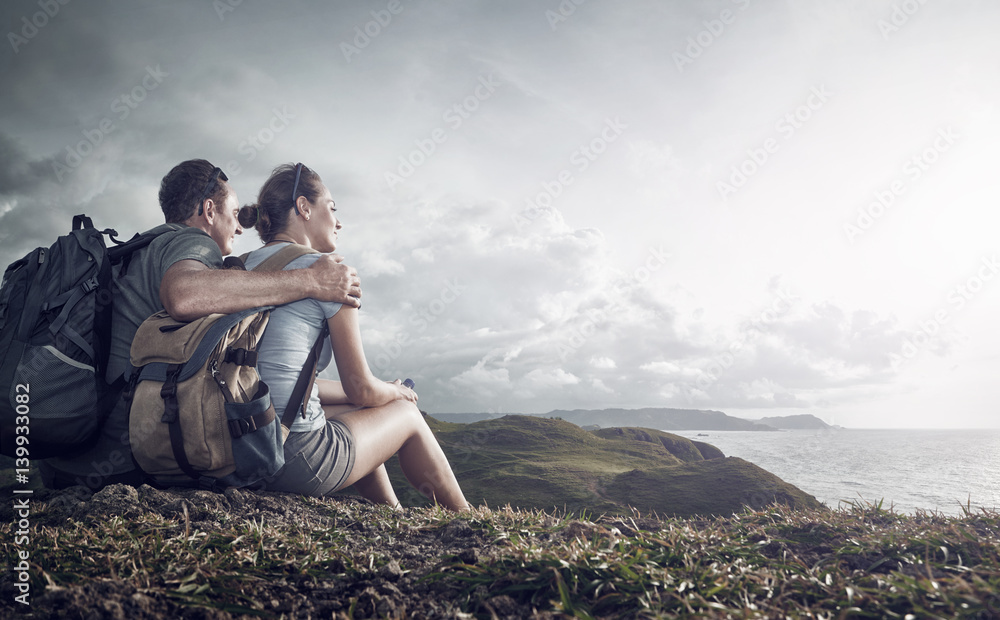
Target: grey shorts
[[317, 462]]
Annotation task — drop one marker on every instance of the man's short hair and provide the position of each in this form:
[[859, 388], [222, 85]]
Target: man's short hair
[[181, 188]]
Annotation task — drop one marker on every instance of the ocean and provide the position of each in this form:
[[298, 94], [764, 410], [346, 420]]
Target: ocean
[[909, 470]]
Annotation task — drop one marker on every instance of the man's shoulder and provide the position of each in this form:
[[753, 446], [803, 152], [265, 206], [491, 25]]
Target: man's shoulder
[[174, 242], [170, 230], [172, 234], [162, 228]]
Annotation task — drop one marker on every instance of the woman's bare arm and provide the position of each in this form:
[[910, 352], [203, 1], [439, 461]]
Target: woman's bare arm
[[332, 392], [360, 386]]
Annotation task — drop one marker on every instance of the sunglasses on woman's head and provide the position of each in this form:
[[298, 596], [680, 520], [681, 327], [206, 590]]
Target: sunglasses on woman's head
[[295, 188]]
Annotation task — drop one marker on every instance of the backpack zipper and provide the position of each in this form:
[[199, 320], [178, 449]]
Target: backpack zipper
[[214, 368]]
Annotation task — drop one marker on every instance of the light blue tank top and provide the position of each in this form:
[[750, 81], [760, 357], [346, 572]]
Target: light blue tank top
[[291, 332]]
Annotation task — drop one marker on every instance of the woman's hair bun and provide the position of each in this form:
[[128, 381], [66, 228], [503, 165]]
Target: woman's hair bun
[[248, 215]]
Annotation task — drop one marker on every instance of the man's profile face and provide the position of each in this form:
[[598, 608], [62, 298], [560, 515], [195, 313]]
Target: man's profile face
[[225, 226]]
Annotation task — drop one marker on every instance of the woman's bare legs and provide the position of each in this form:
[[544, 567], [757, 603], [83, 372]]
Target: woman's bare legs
[[377, 487], [398, 427]]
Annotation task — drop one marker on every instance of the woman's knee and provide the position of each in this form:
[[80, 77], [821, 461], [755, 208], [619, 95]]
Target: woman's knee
[[410, 412]]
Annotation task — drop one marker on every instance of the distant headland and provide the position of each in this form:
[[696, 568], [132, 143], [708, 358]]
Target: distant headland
[[660, 418]]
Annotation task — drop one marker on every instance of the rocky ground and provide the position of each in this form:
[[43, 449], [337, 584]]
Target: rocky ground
[[384, 564]]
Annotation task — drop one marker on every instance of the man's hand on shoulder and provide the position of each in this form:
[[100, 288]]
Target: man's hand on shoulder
[[336, 281]]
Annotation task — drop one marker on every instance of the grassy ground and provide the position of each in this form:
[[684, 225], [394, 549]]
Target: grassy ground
[[145, 554], [608, 525], [861, 562]]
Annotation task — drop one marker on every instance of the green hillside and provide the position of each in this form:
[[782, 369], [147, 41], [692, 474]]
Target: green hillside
[[649, 417], [532, 462]]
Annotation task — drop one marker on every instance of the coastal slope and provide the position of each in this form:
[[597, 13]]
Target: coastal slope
[[533, 462]]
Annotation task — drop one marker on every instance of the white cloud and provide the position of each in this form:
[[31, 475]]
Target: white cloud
[[375, 265], [600, 386], [540, 380], [662, 368], [486, 382], [648, 159], [423, 255]]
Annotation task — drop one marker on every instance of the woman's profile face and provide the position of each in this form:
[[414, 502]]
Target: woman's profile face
[[323, 222]]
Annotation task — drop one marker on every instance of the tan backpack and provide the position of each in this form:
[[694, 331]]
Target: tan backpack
[[199, 413]]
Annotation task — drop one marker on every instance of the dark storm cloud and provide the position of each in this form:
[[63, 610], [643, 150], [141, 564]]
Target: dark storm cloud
[[19, 174]]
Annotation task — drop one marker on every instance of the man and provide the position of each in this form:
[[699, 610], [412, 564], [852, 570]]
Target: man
[[181, 271]]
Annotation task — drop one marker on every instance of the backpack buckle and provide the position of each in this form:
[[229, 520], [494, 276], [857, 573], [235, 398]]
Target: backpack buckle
[[241, 357], [130, 386], [90, 284], [168, 390], [243, 426]]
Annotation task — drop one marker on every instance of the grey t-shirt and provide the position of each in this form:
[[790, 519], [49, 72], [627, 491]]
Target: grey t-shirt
[[138, 293], [138, 297]]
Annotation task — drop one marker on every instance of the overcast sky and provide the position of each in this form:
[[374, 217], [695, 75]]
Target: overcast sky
[[759, 207]]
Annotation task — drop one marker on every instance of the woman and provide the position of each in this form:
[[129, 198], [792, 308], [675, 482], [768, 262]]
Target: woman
[[349, 428]]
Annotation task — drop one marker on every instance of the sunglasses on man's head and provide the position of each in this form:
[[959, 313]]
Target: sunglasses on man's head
[[216, 174]]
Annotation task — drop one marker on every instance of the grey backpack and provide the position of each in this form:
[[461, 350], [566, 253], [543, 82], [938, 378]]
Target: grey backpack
[[55, 334]]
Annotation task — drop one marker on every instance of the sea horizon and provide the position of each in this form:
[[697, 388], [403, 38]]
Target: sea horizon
[[910, 470]]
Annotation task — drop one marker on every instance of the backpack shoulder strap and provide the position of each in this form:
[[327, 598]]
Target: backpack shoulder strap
[[82, 221], [124, 249], [280, 259], [303, 385]]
